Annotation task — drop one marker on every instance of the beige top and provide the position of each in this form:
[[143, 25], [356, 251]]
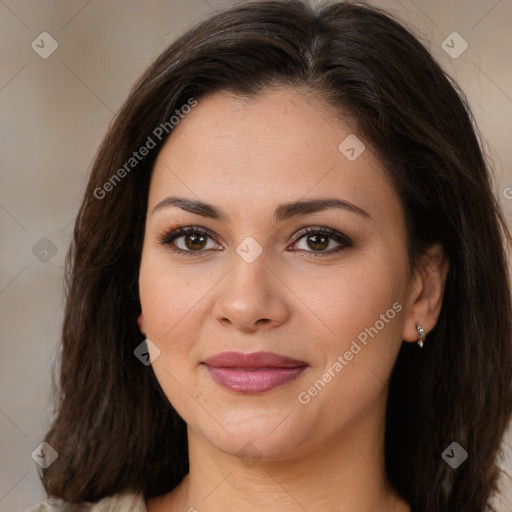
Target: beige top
[[125, 502]]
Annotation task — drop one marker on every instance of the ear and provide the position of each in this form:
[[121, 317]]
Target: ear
[[425, 295], [141, 324]]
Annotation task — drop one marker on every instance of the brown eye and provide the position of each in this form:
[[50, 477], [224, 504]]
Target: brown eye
[[317, 240], [188, 240], [194, 242]]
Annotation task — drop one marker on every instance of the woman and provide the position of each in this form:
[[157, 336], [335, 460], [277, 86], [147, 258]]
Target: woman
[[287, 288]]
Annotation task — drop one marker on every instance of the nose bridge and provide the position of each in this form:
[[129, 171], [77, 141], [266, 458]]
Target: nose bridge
[[250, 292], [250, 268]]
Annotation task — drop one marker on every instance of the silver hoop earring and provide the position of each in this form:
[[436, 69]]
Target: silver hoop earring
[[421, 334]]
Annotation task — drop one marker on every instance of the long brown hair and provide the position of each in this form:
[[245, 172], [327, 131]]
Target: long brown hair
[[115, 430]]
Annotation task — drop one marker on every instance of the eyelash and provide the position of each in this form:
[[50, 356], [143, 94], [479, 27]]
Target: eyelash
[[170, 236]]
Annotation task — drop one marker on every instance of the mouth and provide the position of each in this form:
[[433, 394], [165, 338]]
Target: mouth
[[255, 372]]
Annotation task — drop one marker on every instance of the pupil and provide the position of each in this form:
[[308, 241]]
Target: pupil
[[195, 241], [323, 244]]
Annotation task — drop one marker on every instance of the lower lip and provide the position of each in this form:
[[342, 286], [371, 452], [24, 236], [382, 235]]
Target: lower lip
[[254, 381]]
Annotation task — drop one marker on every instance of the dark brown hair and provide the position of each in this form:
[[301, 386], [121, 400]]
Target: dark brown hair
[[115, 430]]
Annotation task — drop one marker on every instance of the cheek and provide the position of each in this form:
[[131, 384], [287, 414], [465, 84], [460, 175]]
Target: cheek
[[363, 314], [169, 294], [362, 325], [348, 300], [167, 299]]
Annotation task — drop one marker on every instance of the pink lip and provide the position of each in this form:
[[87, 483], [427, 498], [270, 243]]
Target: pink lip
[[253, 373]]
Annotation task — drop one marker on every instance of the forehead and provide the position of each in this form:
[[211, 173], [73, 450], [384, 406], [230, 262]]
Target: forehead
[[281, 145]]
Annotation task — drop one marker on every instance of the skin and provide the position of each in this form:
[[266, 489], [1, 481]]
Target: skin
[[246, 157]]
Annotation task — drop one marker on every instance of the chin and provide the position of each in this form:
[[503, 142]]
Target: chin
[[255, 437]]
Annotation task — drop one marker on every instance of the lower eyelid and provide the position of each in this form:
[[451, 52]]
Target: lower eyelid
[[342, 245]]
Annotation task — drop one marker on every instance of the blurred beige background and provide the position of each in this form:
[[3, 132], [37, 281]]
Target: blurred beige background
[[53, 114]]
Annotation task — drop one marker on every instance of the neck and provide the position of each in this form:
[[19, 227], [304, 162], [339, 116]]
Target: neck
[[345, 472]]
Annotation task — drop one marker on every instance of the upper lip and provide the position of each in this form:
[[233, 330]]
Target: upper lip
[[252, 360]]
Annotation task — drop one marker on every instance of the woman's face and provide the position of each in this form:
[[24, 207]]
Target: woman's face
[[252, 281]]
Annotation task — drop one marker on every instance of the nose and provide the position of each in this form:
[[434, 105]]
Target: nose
[[251, 297]]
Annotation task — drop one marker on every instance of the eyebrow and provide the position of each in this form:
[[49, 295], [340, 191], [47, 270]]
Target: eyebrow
[[282, 212]]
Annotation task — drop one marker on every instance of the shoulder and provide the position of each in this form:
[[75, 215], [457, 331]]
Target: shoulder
[[124, 502]]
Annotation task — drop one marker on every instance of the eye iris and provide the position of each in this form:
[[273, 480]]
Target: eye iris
[[320, 241], [198, 241]]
